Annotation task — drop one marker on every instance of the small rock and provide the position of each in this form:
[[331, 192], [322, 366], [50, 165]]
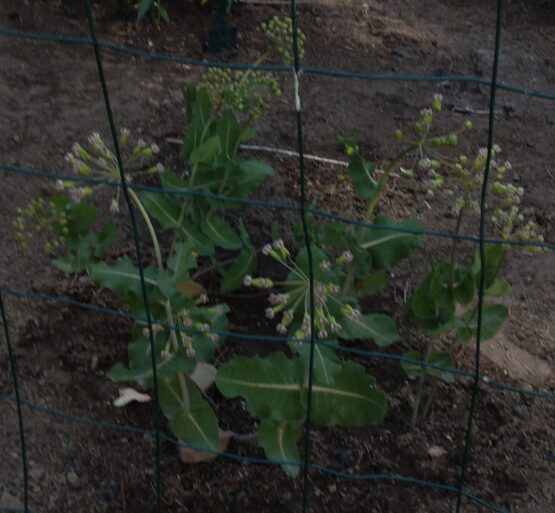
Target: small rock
[[16, 138], [8, 501], [437, 452], [72, 478], [345, 457], [399, 52], [524, 443], [94, 362], [332, 488], [36, 472], [519, 411]]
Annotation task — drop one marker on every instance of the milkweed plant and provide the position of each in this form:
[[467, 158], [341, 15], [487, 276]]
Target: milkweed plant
[[195, 240]]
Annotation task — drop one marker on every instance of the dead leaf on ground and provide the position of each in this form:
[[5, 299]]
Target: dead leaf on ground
[[436, 451], [128, 395], [190, 456]]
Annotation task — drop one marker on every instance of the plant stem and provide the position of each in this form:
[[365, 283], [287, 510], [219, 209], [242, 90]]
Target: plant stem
[[454, 247], [431, 396], [370, 210], [421, 381], [167, 306]]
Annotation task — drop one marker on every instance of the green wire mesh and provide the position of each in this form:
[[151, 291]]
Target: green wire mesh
[[303, 210]]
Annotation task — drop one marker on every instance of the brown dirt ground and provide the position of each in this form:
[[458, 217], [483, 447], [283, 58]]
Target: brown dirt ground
[[50, 97]]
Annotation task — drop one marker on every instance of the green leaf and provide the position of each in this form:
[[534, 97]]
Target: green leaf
[[248, 176], [220, 233], [389, 247], [463, 286], [163, 13], [122, 278], [168, 213], [244, 264], [438, 358], [200, 124], [494, 255], [279, 441], [197, 426], [206, 152], [493, 318], [81, 217], [326, 363], [433, 304], [229, 132], [362, 175], [104, 239], [379, 328], [372, 284], [144, 7], [181, 262], [65, 264], [270, 386], [498, 288], [352, 399]]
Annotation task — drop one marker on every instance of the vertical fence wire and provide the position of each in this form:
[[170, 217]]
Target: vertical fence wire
[[13, 369], [306, 234], [482, 254], [132, 216]]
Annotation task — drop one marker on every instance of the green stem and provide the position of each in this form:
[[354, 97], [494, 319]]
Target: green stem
[[370, 210], [421, 381], [454, 247], [167, 306]]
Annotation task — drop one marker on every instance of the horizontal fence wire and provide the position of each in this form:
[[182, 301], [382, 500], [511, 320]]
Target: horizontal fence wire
[[273, 205], [333, 73], [265, 339], [303, 210], [248, 459]]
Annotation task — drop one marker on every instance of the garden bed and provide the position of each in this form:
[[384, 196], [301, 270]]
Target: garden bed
[[51, 98]]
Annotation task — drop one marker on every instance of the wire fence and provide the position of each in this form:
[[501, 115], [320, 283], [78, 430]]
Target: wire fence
[[303, 211]]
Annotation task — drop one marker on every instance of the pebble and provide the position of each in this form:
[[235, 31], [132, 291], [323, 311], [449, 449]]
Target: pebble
[[72, 478], [345, 457], [519, 411], [9, 501]]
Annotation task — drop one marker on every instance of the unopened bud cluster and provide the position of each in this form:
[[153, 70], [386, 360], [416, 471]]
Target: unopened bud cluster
[[39, 217], [280, 33], [249, 92]]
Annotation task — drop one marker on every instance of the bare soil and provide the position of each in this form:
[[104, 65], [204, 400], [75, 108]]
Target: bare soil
[[50, 97]]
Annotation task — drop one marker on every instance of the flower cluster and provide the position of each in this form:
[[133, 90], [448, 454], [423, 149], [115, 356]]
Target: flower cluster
[[41, 216], [280, 33], [292, 308], [461, 178], [98, 161], [248, 92]]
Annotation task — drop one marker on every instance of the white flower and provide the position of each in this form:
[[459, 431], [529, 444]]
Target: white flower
[[125, 132], [269, 312], [141, 143], [166, 355], [160, 167], [267, 249], [325, 265], [278, 244], [76, 194], [281, 329], [155, 148], [247, 280], [438, 97], [59, 185]]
